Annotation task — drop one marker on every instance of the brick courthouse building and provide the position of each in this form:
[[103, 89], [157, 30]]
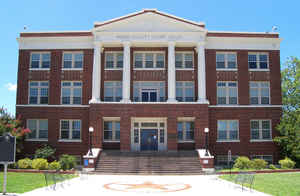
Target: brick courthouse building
[[151, 81]]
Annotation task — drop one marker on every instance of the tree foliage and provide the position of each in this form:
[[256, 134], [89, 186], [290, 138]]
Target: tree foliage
[[8, 124], [289, 127]]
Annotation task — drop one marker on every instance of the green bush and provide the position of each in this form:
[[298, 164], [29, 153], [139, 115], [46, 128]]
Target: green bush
[[242, 163], [13, 166], [55, 165], [40, 164], [45, 152], [25, 163], [287, 163], [258, 164], [67, 161], [271, 166]]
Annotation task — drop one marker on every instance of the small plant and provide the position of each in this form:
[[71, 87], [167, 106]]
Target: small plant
[[25, 163], [242, 163], [45, 152], [287, 163], [258, 164], [271, 166], [67, 162], [40, 164], [55, 165]]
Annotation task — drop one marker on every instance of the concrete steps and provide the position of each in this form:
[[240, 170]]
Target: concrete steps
[[181, 162]]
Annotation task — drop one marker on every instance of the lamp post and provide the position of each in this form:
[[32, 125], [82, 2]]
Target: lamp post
[[206, 130], [91, 130]]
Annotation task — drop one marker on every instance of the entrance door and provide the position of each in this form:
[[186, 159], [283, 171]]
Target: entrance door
[[149, 139]]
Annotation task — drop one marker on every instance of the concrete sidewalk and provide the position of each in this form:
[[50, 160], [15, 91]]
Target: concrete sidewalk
[[147, 185]]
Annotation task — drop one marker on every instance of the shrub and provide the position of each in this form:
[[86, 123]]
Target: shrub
[[13, 166], [67, 162], [25, 163], [271, 166], [55, 165], [287, 163], [45, 152], [40, 164], [258, 164], [242, 163]]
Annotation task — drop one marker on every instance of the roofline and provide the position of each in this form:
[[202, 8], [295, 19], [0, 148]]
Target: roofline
[[56, 34], [98, 24], [242, 34]]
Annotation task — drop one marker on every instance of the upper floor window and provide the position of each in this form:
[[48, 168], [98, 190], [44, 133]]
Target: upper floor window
[[227, 93], [259, 93], [184, 60], [260, 130], [71, 92], [40, 60], [112, 91], [185, 131], [149, 60], [258, 60], [70, 129], [228, 130], [111, 131], [73, 60], [113, 60], [38, 92], [149, 91], [226, 60], [39, 129], [185, 91]]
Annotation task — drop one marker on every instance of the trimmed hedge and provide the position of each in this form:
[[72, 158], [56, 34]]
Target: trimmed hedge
[[287, 163], [55, 165], [40, 164], [25, 163]]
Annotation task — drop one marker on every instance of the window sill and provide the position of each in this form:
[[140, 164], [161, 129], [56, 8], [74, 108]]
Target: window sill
[[111, 141], [220, 141], [72, 69], [145, 69], [36, 140], [113, 69], [259, 69], [184, 69], [226, 69], [188, 141], [39, 69], [258, 140], [65, 140]]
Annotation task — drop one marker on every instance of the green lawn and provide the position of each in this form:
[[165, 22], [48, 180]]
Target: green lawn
[[279, 184], [22, 182]]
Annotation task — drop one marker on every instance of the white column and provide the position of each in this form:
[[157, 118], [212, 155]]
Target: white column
[[171, 73], [126, 72], [201, 73], [96, 73]]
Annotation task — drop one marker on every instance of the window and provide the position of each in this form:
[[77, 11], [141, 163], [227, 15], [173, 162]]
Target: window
[[228, 130], [40, 60], [268, 158], [185, 91], [113, 60], [184, 60], [261, 130], [226, 60], [73, 60], [149, 60], [258, 61], [111, 131], [38, 92], [227, 93], [223, 159], [71, 92], [185, 131], [39, 129], [70, 129], [112, 91], [149, 91], [259, 93]]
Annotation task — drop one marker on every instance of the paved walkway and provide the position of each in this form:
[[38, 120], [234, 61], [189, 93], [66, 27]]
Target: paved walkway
[[145, 185]]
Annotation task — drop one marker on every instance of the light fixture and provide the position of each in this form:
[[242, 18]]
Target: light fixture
[[206, 130], [91, 129]]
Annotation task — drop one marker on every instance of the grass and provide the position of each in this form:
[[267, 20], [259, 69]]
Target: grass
[[23, 182], [279, 184]]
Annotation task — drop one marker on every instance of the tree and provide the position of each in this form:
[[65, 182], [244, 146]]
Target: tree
[[289, 127], [8, 124]]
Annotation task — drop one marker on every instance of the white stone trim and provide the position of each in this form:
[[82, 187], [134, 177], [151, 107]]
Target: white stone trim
[[102, 102], [96, 72], [126, 73], [171, 73], [95, 152], [261, 140], [43, 105], [245, 106], [221, 141], [201, 72]]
